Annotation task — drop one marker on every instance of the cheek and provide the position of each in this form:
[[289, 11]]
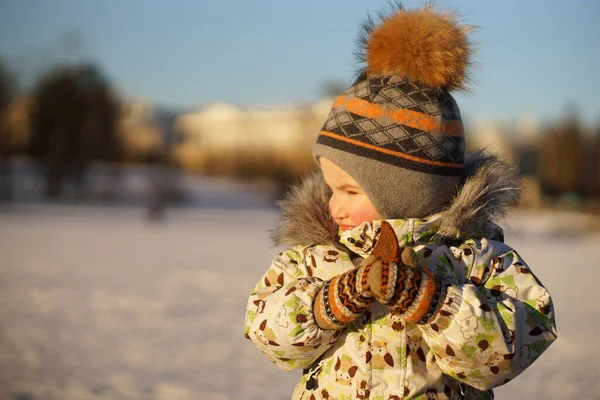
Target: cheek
[[363, 211]]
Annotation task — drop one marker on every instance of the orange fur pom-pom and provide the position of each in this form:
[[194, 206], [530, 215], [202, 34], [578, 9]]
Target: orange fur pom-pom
[[420, 45]]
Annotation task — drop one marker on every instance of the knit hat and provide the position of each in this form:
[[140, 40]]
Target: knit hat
[[397, 131]]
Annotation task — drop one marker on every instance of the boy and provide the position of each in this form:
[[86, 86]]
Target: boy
[[397, 283]]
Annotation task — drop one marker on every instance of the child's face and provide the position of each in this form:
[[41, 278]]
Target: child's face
[[349, 205]]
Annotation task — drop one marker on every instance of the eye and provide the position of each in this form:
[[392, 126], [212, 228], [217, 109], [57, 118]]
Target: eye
[[351, 192]]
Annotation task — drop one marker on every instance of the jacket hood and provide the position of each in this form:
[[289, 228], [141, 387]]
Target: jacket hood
[[488, 188]]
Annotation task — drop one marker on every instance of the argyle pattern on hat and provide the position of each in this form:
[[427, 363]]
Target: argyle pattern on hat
[[401, 93], [399, 122]]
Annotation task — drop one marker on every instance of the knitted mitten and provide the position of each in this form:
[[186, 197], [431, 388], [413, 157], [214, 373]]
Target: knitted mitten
[[344, 298], [404, 287]]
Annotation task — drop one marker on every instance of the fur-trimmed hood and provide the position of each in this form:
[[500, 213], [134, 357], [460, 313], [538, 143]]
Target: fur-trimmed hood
[[488, 188]]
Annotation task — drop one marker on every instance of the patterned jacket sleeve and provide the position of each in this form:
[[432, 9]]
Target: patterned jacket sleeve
[[491, 328], [279, 315]]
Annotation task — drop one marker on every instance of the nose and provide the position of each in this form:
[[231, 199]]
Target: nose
[[336, 209]]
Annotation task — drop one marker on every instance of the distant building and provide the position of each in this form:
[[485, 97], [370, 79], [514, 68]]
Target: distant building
[[494, 136], [138, 131], [225, 131]]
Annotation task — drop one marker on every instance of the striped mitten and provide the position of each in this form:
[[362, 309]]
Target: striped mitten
[[406, 288], [344, 298]]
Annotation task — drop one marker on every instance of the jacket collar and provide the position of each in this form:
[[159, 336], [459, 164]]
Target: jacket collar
[[488, 188], [363, 238]]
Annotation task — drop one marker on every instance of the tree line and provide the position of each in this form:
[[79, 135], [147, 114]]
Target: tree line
[[73, 121]]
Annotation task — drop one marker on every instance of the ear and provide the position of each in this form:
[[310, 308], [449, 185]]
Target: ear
[[475, 280], [292, 289], [338, 364], [352, 371], [421, 354], [389, 359], [535, 331], [263, 325], [509, 356], [309, 270]]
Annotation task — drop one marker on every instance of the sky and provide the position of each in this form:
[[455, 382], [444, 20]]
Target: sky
[[535, 57]]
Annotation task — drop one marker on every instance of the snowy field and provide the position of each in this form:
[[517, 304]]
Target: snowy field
[[98, 303]]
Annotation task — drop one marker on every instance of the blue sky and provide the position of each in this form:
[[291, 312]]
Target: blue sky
[[534, 57]]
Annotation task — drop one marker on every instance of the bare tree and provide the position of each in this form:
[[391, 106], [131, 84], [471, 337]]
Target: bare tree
[[73, 121], [560, 162]]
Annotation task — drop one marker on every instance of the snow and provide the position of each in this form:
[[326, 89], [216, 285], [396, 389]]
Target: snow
[[98, 303]]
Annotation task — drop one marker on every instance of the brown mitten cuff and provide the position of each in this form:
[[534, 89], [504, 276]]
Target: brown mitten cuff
[[343, 299]]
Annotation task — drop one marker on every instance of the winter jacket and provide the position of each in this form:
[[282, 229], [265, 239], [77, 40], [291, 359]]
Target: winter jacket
[[496, 318]]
